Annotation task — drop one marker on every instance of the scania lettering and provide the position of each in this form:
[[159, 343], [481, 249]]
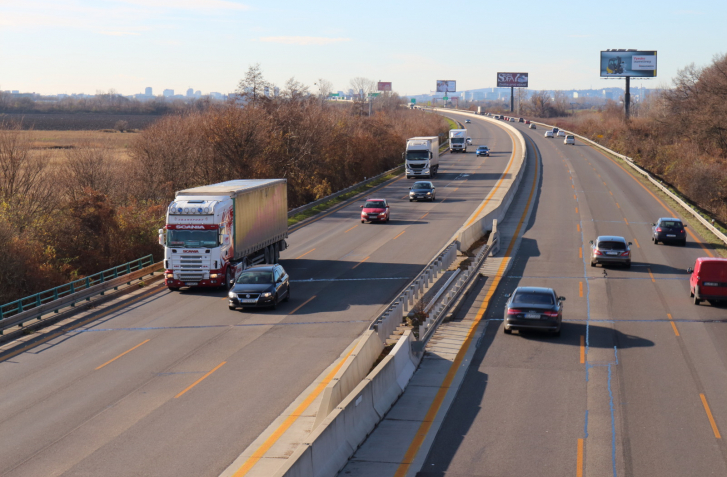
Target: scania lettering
[[214, 232], [422, 156], [457, 140]]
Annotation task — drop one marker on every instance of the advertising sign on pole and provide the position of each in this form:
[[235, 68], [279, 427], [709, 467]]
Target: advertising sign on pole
[[414, 100], [621, 63], [383, 86], [446, 86], [512, 80]]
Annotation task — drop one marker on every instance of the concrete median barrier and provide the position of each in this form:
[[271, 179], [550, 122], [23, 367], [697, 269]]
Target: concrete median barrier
[[385, 388]]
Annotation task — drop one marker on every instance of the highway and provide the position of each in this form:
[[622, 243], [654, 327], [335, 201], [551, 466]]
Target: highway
[[635, 385], [178, 385]]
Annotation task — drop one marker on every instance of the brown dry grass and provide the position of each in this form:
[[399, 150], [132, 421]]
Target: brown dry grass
[[54, 144]]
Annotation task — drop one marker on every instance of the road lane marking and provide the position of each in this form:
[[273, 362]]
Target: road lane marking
[[309, 251], [574, 197], [400, 234], [576, 210], [289, 421], [651, 275], [578, 227], [428, 420], [302, 305], [610, 192], [347, 231], [359, 263], [583, 349], [709, 415], [627, 222], [579, 457], [618, 205], [580, 252], [673, 325], [637, 243], [580, 289], [420, 218], [122, 354], [572, 186], [200, 379]]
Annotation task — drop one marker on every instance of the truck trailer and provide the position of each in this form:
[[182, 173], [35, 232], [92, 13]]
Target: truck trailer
[[457, 140], [481, 110], [214, 232], [422, 157]]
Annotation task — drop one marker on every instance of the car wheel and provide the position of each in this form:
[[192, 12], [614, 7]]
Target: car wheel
[[231, 307], [684, 243], [363, 221], [628, 265], [593, 264], [656, 242], [697, 301], [411, 200], [287, 295], [274, 306], [556, 332], [507, 331], [691, 293]]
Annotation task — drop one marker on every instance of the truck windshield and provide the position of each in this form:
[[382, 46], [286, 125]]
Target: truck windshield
[[457, 140], [417, 155], [192, 238]]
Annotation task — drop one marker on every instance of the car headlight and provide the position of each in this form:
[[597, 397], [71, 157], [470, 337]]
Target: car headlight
[[232, 295], [382, 213], [266, 295], [429, 193]]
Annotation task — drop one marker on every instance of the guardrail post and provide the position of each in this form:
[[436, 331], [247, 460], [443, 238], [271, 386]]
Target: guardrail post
[[128, 271], [88, 285]]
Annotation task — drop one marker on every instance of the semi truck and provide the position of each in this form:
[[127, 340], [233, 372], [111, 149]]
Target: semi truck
[[481, 110], [457, 140], [214, 232], [422, 156]]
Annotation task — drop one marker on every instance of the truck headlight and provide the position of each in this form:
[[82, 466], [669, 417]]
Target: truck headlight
[[214, 275], [232, 295], [169, 275]]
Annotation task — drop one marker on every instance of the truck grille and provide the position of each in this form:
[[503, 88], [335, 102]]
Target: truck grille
[[416, 166], [191, 277]]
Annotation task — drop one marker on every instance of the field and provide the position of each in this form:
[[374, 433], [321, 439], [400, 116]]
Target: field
[[55, 144], [79, 121]]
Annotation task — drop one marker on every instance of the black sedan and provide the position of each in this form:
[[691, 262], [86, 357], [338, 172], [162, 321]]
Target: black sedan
[[482, 151], [669, 230], [533, 308], [260, 286], [422, 190]]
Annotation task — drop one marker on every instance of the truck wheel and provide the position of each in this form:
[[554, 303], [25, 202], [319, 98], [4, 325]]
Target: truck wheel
[[266, 253], [173, 288], [276, 252], [228, 279]]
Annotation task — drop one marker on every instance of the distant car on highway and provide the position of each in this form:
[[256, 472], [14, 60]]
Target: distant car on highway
[[422, 190], [611, 249], [482, 151], [521, 120], [708, 280], [260, 286], [467, 121], [555, 131], [570, 139], [533, 308], [561, 133], [548, 134], [512, 120], [669, 230], [532, 126], [469, 141], [527, 121], [375, 210]]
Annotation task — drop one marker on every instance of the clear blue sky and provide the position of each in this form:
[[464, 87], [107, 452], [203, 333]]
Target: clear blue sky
[[75, 46]]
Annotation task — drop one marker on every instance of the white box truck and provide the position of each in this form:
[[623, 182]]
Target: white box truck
[[458, 140], [421, 157], [214, 232], [481, 110]]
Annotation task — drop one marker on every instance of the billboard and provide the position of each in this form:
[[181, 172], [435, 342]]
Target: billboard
[[512, 80], [383, 86], [621, 63], [446, 86]]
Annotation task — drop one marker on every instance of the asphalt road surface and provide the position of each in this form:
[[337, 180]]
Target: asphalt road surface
[[178, 385], [636, 383]]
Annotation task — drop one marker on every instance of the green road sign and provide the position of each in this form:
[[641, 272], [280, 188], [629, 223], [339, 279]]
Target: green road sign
[[429, 103], [332, 94], [445, 98], [413, 100], [374, 94]]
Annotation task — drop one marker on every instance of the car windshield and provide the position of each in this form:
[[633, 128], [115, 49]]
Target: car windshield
[[533, 298], [611, 246], [256, 277], [192, 238], [671, 224], [482, 148], [570, 137], [422, 185], [417, 155], [374, 204]]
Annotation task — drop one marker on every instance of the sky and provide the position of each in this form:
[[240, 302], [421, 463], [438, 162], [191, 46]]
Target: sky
[[81, 46]]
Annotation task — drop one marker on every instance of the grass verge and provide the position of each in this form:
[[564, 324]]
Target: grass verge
[[297, 218], [452, 123]]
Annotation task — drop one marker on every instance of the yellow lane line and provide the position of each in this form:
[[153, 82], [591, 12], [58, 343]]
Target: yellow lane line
[[583, 349], [347, 231], [400, 234], [420, 218], [574, 197], [576, 210], [618, 205], [579, 457], [610, 192], [359, 263], [709, 415], [580, 252], [667, 208], [277, 434], [673, 325], [627, 222], [578, 227], [200, 379], [125, 352], [309, 251], [302, 304], [651, 275], [580, 289], [454, 367], [637, 243]]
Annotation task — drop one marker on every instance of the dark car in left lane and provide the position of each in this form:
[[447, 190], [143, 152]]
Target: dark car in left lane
[[260, 286], [669, 230], [533, 308], [422, 190]]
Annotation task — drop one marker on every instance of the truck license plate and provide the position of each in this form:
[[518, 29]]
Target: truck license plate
[[191, 284]]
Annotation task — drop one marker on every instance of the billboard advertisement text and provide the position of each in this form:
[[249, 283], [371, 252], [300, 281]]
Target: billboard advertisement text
[[384, 86], [512, 80], [446, 86], [637, 64]]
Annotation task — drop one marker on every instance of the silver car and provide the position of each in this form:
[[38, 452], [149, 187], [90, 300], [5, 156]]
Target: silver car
[[611, 249]]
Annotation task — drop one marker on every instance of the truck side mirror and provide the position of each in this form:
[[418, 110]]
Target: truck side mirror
[[403, 154], [161, 236]]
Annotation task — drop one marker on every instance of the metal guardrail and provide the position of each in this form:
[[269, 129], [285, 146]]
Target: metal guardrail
[[34, 306]]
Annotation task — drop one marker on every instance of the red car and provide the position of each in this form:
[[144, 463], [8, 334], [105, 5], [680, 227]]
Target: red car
[[708, 280], [375, 210]]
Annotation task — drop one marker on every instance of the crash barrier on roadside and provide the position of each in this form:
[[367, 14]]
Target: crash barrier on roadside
[[493, 242], [330, 445], [654, 181], [33, 307]]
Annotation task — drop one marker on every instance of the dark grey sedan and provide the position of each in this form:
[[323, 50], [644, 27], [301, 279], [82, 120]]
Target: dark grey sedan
[[260, 286], [533, 308], [422, 190], [669, 230], [612, 250]]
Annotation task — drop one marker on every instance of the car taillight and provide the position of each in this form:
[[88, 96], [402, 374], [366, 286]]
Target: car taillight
[[597, 252], [658, 229], [552, 314], [514, 311], [626, 253], [681, 231]]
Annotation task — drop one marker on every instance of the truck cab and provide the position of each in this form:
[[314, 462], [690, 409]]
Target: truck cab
[[421, 158], [458, 140]]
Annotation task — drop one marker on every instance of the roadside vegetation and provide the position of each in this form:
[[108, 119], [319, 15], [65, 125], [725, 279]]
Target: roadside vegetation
[[90, 204]]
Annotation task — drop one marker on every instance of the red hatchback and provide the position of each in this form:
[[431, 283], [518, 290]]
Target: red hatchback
[[375, 210], [708, 280]]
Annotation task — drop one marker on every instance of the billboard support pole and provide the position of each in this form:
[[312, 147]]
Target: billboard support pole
[[512, 99], [627, 97]]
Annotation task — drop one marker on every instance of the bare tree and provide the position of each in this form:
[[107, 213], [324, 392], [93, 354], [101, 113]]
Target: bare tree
[[294, 90], [325, 88], [363, 85], [89, 167], [253, 86]]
